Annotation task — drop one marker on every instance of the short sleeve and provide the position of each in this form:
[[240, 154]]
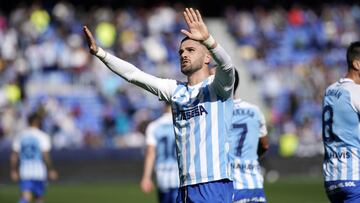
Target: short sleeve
[[45, 142], [262, 123], [355, 97], [16, 144], [150, 135]]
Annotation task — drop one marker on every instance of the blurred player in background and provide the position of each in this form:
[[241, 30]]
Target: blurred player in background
[[160, 156], [249, 141], [201, 109], [341, 133], [30, 161]]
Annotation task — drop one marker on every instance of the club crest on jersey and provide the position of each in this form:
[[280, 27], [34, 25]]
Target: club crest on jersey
[[192, 112]]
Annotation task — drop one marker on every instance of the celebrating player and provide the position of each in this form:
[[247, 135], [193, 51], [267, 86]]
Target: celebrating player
[[248, 141], [160, 149], [30, 161], [201, 109], [341, 133]]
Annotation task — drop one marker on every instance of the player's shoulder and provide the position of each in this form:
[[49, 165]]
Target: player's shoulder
[[32, 133], [352, 88], [165, 118], [240, 103], [343, 85], [41, 135], [40, 132]]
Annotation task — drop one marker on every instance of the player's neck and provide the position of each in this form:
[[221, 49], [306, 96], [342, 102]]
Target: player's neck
[[353, 75], [198, 76]]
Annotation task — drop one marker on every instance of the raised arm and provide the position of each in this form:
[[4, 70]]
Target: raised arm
[[224, 77], [163, 88]]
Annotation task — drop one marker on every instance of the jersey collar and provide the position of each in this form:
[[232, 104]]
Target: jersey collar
[[344, 80]]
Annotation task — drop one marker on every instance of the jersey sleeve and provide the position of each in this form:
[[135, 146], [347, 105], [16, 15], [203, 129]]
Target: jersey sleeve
[[224, 77], [150, 135], [163, 88], [355, 97], [16, 144], [262, 124], [45, 142]]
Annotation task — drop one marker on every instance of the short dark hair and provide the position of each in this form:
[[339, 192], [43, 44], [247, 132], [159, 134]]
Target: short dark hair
[[353, 53], [236, 82], [184, 39], [34, 118]]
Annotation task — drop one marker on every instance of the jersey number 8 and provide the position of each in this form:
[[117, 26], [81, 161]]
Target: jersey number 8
[[327, 124]]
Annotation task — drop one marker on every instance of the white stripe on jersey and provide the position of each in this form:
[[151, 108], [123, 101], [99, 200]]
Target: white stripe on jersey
[[248, 175], [203, 158], [215, 137], [174, 179], [183, 153], [335, 170], [343, 165], [192, 151], [237, 174], [355, 164], [167, 176], [258, 176], [33, 170]]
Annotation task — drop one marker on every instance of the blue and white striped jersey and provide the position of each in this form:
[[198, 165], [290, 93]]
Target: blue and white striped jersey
[[248, 125], [160, 133], [201, 115], [341, 131], [202, 121], [30, 144]]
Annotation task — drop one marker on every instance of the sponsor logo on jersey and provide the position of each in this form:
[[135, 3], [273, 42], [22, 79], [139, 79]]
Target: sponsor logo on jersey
[[192, 112], [340, 155]]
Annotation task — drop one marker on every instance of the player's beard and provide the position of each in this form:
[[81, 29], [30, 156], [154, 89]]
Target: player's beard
[[191, 67]]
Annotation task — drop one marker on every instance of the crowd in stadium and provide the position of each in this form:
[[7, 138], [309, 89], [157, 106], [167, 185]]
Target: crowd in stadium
[[292, 54]]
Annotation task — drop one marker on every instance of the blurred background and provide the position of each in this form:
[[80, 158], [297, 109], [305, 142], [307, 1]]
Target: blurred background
[[287, 53]]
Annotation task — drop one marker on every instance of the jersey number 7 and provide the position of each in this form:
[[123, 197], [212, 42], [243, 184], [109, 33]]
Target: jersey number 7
[[244, 129]]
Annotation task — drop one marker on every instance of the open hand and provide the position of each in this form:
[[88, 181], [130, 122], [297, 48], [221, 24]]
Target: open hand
[[90, 40], [197, 28]]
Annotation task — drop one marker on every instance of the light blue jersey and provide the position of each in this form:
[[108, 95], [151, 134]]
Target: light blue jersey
[[248, 125], [160, 133], [201, 120], [341, 132], [30, 145]]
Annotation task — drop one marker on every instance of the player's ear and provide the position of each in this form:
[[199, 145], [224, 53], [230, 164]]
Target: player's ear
[[356, 64], [208, 58]]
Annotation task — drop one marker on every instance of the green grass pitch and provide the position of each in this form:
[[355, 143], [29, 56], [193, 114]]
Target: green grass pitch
[[294, 190]]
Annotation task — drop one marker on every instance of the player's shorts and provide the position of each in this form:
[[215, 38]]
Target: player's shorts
[[37, 187], [168, 196], [220, 191], [249, 195], [345, 191]]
